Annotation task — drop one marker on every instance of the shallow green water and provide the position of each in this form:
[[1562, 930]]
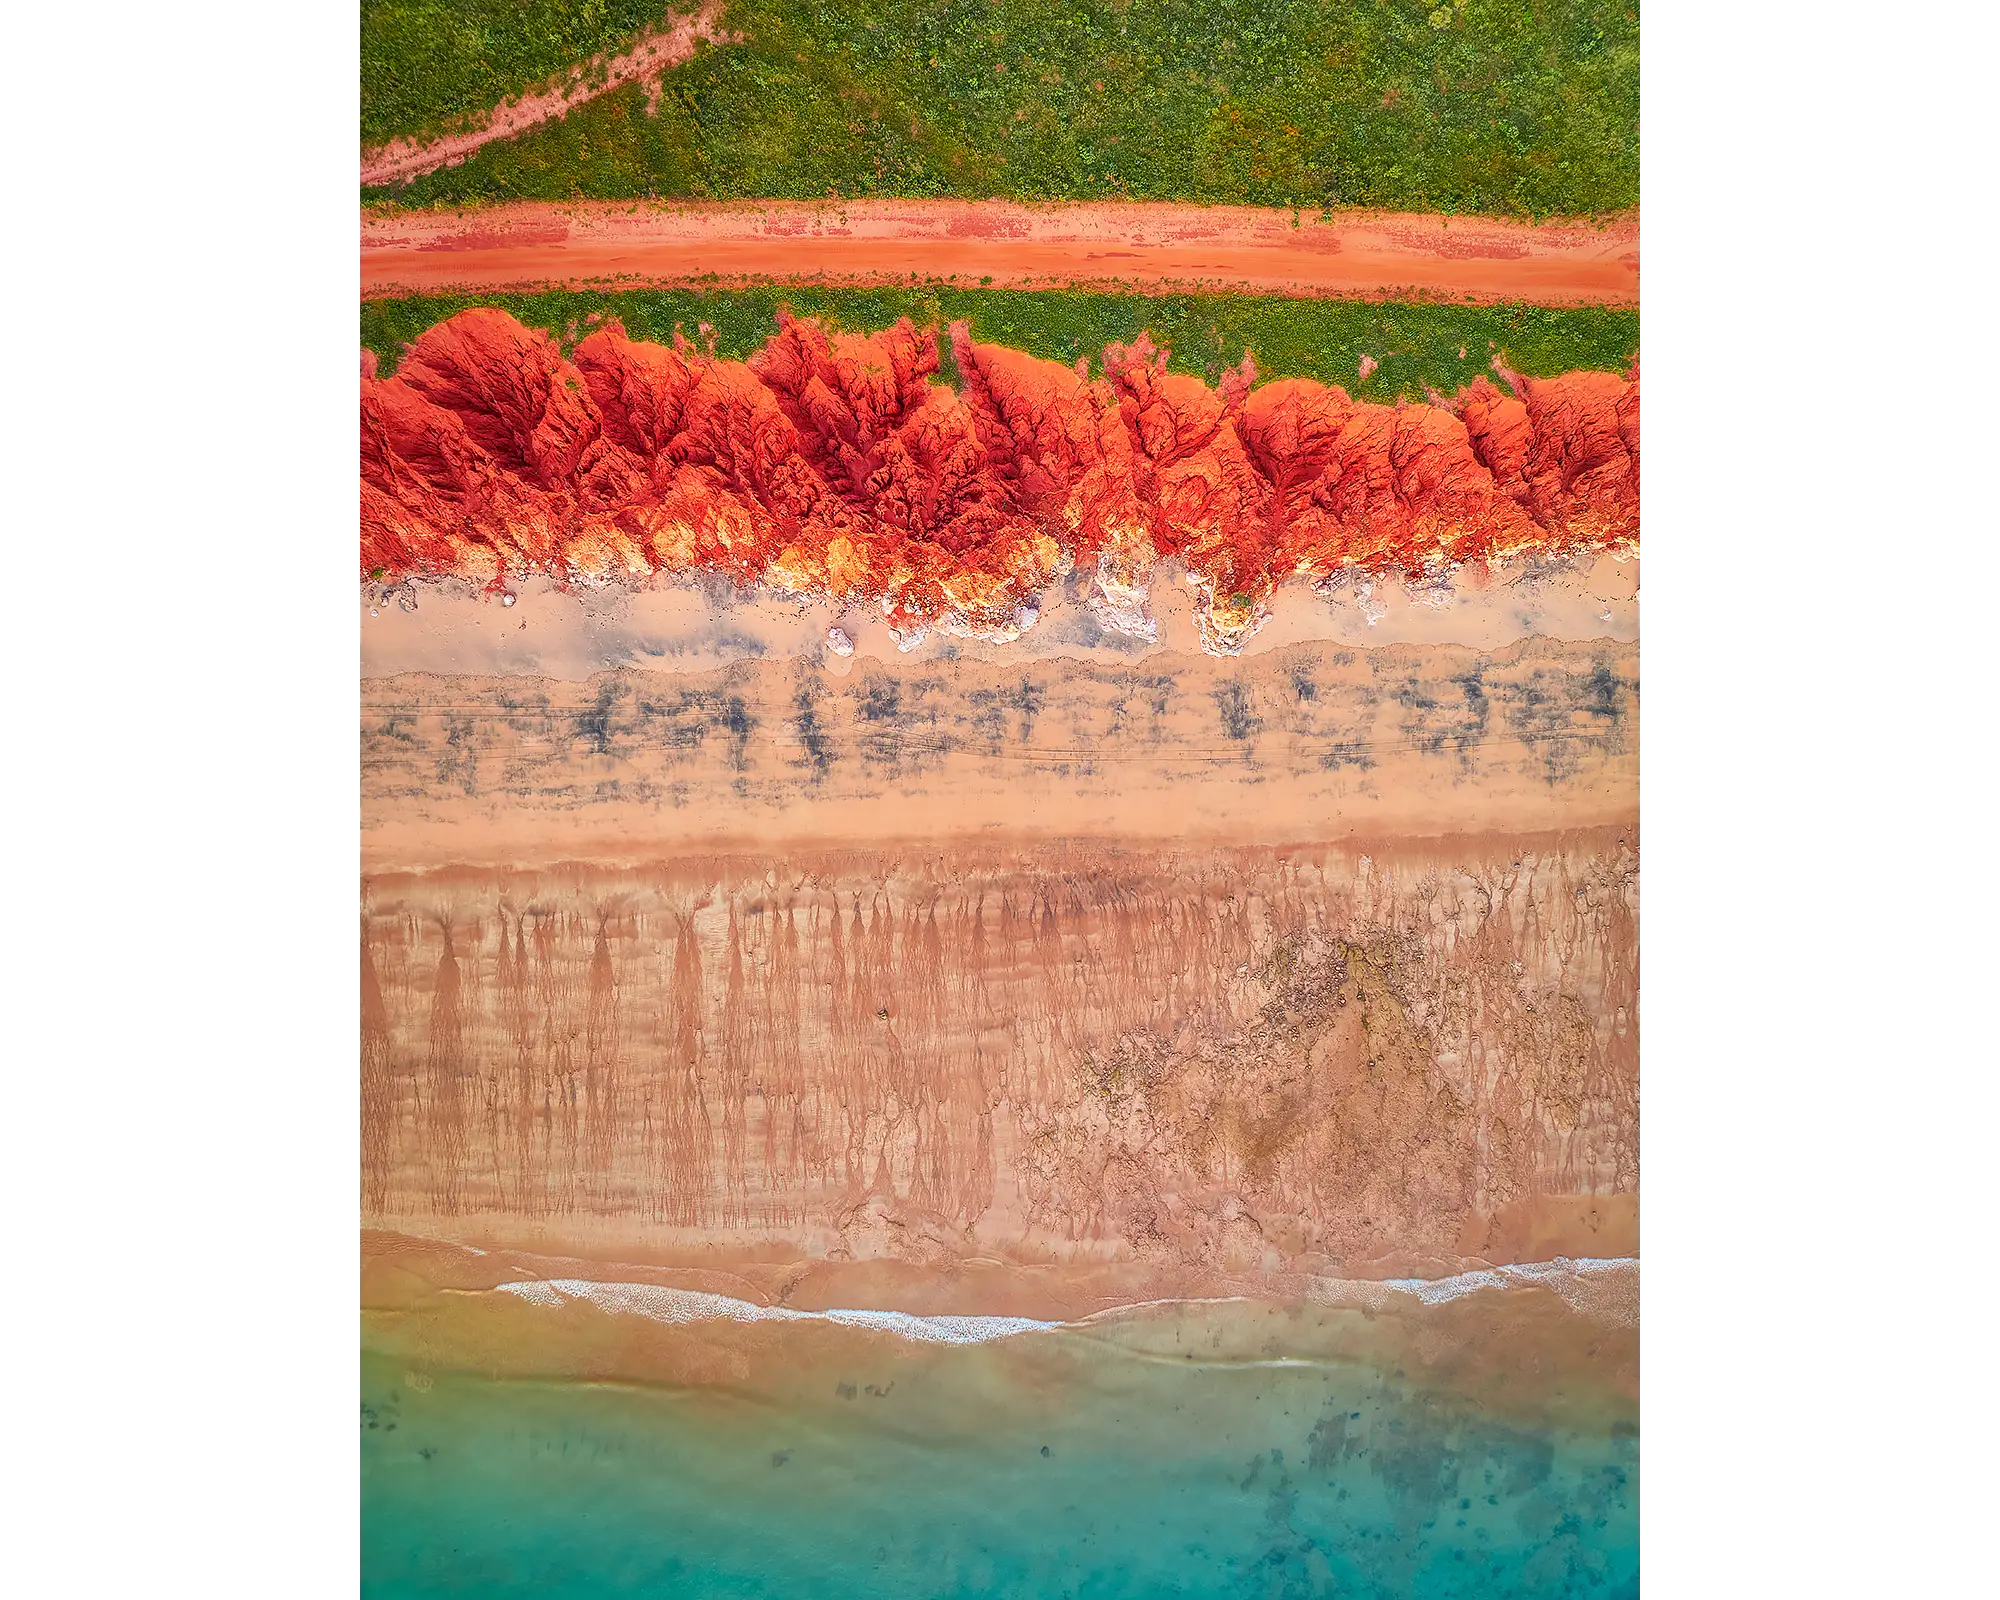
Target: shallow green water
[[965, 1472]]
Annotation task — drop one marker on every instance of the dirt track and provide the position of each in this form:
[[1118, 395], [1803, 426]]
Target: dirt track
[[651, 54], [1159, 246]]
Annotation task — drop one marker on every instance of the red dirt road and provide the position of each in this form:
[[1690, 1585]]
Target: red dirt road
[[1146, 246]]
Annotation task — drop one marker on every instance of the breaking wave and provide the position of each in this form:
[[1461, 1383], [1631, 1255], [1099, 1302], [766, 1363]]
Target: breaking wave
[[1607, 1289], [680, 1306]]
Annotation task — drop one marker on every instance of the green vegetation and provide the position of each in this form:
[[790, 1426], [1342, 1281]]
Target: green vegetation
[[1442, 347], [428, 64], [1523, 107]]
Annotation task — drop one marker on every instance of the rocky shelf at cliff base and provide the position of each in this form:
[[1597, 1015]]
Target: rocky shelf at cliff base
[[831, 464]]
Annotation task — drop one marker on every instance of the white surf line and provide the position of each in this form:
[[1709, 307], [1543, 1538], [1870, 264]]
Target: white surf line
[[1603, 1287], [1561, 1275], [650, 55], [682, 1306], [1593, 1286]]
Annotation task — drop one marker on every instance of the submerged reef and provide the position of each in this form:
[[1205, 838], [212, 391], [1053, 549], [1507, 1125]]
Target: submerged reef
[[830, 463]]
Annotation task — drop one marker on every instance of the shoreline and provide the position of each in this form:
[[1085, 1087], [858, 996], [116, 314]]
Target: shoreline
[[1553, 1346], [401, 1268]]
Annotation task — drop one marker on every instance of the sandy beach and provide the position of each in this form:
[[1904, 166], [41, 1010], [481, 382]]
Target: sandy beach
[[1310, 743], [1195, 1061]]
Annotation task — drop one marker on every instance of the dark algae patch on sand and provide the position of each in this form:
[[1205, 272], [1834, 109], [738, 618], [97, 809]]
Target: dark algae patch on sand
[[1442, 347], [1472, 106]]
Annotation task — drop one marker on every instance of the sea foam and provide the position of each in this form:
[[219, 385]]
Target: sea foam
[[1604, 1288], [681, 1306]]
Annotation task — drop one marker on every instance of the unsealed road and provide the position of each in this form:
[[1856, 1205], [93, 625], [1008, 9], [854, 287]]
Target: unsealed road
[[1153, 247]]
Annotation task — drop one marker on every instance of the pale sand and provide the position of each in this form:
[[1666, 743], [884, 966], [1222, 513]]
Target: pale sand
[[1154, 246], [578, 630], [1307, 743]]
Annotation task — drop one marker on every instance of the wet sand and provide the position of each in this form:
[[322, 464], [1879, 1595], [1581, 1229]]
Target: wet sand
[[1179, 1062], [1155, 246], [402, 1272], [457, 1316]]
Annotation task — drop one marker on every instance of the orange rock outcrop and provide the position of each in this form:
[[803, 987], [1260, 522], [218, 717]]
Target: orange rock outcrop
[[834, 463]]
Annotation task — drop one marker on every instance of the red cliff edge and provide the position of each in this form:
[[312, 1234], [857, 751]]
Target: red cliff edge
[[831, 463]]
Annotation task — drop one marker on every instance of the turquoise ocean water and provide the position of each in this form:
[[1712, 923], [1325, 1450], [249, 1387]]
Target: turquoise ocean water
[[1039, 1466]]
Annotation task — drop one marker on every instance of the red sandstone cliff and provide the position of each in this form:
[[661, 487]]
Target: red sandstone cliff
[[833, 463]]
